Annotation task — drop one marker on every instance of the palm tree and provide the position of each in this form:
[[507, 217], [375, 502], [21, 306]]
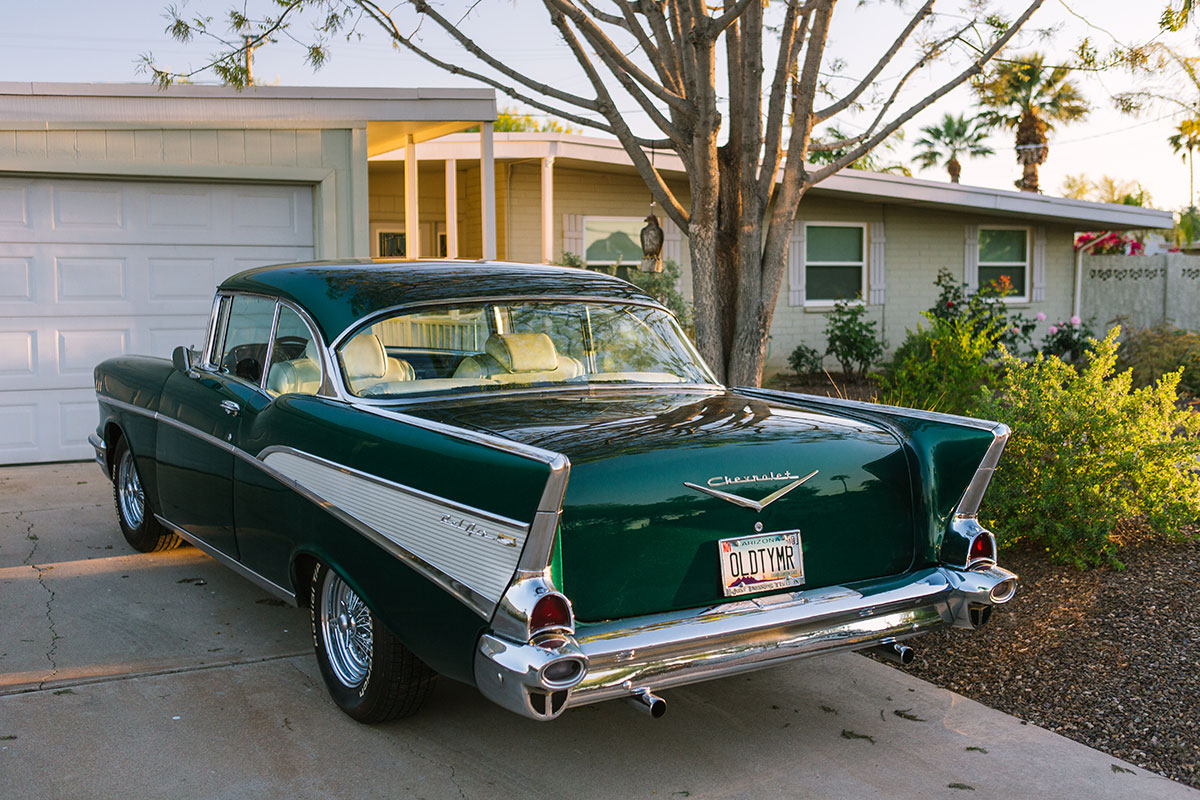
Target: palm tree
[[953, 137], [1187, 140], [1029, 97]]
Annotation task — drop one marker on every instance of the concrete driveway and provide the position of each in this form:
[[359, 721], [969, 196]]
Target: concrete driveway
[[125, 675]]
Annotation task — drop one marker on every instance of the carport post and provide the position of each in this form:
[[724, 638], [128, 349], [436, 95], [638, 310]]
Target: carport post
[[451, 208], [412, 231], [487, 184], [548, 209]]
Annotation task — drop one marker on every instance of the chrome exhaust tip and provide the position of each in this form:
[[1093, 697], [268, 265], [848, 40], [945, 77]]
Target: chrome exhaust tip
[[1003, 592], [649, 703], [895, 652]]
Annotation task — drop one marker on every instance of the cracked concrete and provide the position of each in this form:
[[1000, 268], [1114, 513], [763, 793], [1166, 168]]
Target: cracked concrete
[[212, 693]]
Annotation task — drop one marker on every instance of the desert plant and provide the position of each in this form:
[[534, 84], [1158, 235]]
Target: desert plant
[[805, 360], [852, 339], [941, 368], [1086, 453], [1149, 352]]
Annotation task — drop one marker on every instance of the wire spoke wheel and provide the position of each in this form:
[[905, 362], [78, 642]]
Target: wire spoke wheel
[[348, 631], [129, 491]]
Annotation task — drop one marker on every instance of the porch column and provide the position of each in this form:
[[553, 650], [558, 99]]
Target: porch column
[[451, 208], [412, 231], [547, 209], [487, 186]]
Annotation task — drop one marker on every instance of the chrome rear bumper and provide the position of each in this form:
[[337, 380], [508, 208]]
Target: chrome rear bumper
[[656, 652]]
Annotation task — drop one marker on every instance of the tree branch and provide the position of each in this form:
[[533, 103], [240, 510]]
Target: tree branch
[[658, 187], [611, 19], [795, 26], [975, 68], [616, 61], [422, 7], [669, 77], [869, 78]]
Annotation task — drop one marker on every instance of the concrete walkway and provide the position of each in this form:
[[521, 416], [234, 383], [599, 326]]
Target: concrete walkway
[[126, 675]]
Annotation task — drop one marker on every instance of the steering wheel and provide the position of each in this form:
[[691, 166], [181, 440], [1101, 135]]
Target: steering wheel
[[289, 348]]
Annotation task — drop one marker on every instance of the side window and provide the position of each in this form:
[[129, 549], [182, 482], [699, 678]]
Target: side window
[[249, 329], [295, 359]]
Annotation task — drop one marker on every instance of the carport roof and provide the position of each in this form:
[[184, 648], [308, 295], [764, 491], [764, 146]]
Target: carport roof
[[389, 114], [850, 184]]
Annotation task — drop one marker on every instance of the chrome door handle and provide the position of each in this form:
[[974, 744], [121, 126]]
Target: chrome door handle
[[231, 408]]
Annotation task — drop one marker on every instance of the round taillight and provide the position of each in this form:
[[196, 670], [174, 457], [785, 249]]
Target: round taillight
[[983, 548], [550, 611]]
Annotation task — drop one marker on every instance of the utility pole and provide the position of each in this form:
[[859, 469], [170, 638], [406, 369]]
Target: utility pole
[[250, 46]]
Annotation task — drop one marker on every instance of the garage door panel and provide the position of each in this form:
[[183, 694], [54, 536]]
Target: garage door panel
[[95, 269], [111, 212], [95, 280], [43, 426]]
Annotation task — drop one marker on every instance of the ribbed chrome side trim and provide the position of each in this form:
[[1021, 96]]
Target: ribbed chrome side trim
[[225, 560], [476, 549]]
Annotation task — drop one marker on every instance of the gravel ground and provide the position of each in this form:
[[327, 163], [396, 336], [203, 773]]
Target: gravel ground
[[1109, 658]]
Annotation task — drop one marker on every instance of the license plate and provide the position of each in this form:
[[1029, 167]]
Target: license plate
[[761, 562]]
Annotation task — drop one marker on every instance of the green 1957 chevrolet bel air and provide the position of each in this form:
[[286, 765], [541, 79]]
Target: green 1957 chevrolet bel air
[[526, 479]]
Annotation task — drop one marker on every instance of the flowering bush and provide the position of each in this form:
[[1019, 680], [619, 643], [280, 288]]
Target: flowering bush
[[1111, 244], [1086, 452], [984, 310], [1067, 340]]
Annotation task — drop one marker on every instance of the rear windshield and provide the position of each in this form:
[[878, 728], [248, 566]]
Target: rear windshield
[[488, 346]]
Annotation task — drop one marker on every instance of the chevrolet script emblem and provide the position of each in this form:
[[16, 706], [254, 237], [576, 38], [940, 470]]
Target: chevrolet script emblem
[[744, 501]]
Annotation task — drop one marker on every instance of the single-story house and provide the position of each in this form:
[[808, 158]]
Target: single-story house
[[122, 206], [881, 236]]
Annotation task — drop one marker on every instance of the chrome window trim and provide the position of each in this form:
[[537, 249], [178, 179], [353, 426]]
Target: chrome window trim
[[210, 345], [228, 561], [262, 379], [362, 322], [344, 394], [327, 390], [968, 504], [548, 388]]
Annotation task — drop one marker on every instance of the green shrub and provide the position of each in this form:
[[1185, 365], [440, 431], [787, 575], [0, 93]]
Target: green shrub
[[1069, 341], [984, 310], [1150, 352], [942, 368], [805, 360], [1086, 452], [852, 339]]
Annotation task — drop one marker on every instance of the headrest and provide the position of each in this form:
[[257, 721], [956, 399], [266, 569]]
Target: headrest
[[522, 352], [364, 357]]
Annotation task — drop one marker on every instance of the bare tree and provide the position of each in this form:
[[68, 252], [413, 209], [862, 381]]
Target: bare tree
[[665, 56]]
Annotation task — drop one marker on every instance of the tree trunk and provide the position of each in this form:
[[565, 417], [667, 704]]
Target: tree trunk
[[954, 168]]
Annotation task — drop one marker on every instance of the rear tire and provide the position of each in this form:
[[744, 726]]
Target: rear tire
[[368, 672], [134, 515]]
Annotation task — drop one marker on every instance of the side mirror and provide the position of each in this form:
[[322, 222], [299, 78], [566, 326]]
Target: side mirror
[[182, 359]]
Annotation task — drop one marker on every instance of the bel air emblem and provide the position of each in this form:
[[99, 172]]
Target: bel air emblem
[[744, 501]]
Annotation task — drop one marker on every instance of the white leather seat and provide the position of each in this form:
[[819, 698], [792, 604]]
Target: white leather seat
[[519, 358], [300, 375], [368, 365]]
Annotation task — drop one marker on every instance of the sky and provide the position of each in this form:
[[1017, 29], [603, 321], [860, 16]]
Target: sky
[[87, 41]]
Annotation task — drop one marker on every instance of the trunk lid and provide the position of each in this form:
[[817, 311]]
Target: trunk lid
[[635, 540]]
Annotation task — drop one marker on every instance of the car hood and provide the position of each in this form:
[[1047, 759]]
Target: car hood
[[636, 539]]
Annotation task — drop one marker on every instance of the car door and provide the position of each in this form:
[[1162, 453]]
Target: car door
[[200, 414], [269, 515]]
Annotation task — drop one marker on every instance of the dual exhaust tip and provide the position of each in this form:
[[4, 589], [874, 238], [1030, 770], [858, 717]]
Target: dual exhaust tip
[[648, 702]]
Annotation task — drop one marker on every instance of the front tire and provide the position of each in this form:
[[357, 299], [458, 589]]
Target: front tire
[[368, 672], [137, 521]]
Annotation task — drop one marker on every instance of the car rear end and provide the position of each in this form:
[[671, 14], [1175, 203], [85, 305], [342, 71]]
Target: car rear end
[[679, 558]]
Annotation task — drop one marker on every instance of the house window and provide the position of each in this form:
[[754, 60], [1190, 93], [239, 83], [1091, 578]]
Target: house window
[[612, 240], [835, 264], [391, 244], [1004, 255]]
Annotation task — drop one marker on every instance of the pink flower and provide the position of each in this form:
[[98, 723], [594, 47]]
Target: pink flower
[[1075, 322], [1016, 330], [1053, 329], [1041, 317]]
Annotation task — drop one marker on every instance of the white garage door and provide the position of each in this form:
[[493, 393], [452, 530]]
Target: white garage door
[[91, 269]]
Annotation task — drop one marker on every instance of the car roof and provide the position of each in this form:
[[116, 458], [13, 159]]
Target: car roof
[[337, 294]]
